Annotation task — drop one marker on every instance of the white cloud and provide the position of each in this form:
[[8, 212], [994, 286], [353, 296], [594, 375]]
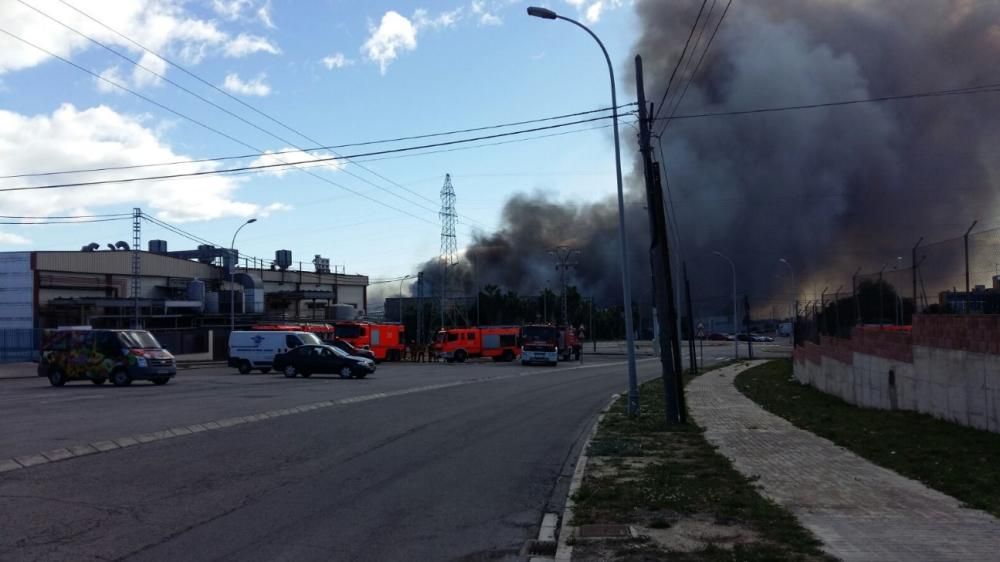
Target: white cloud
[[264, 15], [111, 74], [592, 10], [487, 14], [256, 87], [395, 33], [13, 239], [230, 9], [164, 26], [245, 44], [336, 60], [422, 19], [290, 155], [101, 137]]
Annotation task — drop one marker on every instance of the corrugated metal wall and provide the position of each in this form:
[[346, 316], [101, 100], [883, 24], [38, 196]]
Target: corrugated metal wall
[[120, 263], [16, 291]]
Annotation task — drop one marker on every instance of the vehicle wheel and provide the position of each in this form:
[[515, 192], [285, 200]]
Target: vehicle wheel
[[524, 363], [393, 355], [345, 373], [160, 381], [265, 370], [507, 356], [460, 356], [56, 378], [305, 375], [121, 378], [99, 381], [290, 372], [553, 364], [245, 367]]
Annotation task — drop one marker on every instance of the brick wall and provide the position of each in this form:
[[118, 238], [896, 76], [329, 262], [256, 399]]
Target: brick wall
[[976, 333]]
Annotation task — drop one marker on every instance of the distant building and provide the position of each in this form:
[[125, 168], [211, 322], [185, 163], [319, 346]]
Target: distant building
[[176, 289]]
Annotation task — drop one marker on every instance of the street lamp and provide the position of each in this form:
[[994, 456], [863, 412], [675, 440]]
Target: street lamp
[[736, 340], [232, 267], [633, 385], [794, 296], [404, 278]]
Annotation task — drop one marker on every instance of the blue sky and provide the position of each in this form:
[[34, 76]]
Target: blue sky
[[392, 69]]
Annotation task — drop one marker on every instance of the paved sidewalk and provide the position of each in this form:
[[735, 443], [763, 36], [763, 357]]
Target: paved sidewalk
[[859, 510]]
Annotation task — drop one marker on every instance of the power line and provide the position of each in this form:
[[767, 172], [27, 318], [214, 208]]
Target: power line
[[681, 58], [223, 92], [694, 49], [956, 92], [312, 161], [228, 112], [320, 148], [65, 222], [697, 67], [66, 217]]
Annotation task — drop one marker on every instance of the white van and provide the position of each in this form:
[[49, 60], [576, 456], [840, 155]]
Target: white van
[[256, 350]]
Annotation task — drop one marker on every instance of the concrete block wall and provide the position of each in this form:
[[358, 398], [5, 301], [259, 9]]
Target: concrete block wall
[[947, 366]]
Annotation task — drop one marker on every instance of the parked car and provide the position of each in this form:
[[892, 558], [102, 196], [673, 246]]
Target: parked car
[[350, 349], [308, 360], [99, 355], [761, 338], [257, 349], [716, 336]]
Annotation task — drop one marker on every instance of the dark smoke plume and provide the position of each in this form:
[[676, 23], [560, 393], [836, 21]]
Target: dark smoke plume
[[830, 190]]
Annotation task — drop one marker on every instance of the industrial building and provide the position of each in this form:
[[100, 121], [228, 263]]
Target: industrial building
[[181, 289]]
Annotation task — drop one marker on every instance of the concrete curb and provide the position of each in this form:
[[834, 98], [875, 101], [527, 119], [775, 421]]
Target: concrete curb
[[564, 551]]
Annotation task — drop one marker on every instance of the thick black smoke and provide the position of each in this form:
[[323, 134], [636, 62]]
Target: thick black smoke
[[830, 189]]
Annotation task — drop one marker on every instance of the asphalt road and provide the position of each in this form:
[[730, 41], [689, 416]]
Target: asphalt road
[[419, 462]]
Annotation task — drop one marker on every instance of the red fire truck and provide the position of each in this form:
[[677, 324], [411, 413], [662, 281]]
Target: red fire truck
[[496, 342], [549, 344], [386, 341]]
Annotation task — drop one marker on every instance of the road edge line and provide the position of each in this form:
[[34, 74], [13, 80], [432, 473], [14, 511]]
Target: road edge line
[[564, 550]]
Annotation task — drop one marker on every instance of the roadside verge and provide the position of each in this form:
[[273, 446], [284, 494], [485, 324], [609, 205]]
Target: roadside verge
[[653, 491]]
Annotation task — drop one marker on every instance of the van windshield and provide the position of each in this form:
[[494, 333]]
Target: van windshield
[[347, 331], [138, 340], [309, 339]]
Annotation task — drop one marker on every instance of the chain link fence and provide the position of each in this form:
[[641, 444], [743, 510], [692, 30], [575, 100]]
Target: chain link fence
[[954, 276]]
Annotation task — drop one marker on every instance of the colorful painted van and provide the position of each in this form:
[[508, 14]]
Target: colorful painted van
[[99, 355]]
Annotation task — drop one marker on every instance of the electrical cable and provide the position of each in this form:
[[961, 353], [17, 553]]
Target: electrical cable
[[133, 92], [680, 59], [312, 161], [64, 222]]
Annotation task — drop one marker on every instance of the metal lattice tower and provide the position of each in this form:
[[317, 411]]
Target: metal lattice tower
[[566, 258], [136, 264], [449, 239]]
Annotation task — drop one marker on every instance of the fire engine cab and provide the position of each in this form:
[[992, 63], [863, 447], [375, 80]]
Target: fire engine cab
[[386, 341], [496, 342], [549, 344]]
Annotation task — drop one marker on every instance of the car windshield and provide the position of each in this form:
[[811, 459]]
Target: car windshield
[[338, 351], [137, 339]]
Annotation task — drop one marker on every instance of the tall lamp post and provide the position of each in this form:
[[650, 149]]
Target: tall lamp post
[[633, 386], [232, 267], [791, 307], [404, 278], [736, 339]]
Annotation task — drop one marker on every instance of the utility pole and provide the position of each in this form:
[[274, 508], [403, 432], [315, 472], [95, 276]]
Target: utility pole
[[565, 259], [420, 307], [966, 239], [137, 265], [659, 253], [913, 256], [693, 362]]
